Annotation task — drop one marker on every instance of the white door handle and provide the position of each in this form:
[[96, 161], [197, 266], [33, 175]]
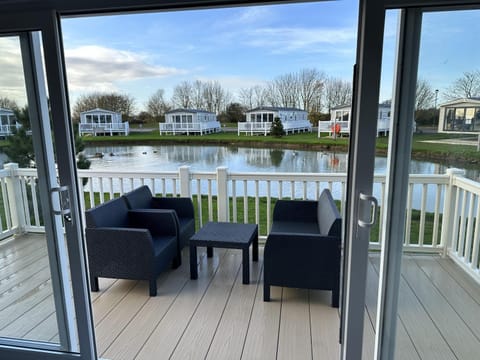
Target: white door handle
[[374, 205]]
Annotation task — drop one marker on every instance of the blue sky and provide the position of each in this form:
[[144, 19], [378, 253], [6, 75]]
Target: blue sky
[[240, 47]]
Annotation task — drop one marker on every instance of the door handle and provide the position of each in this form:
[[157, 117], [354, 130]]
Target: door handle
[[64, 196], [374, 206]]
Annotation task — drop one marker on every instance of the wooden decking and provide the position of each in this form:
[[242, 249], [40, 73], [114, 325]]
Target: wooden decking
[[217, 317]]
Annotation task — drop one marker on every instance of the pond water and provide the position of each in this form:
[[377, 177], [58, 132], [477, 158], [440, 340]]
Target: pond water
[[239, 159], [208, 158]]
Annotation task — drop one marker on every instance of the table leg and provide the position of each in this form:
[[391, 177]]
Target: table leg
[[246, 265], [209, 251], [193, 262], [255, 248]]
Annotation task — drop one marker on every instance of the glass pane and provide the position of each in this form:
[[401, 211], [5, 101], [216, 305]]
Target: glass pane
[[32, 244]]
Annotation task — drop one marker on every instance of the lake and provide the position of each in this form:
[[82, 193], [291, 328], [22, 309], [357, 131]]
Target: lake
[[207, 158]]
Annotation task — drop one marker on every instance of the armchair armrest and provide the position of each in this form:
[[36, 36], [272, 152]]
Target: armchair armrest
[[158, 221], [295, 210], [119, 243], [182, 205]]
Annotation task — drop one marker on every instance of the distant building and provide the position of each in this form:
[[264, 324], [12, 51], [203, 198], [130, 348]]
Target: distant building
[[102, 122], [460, 116], [259, 120], [340, 117], [189, 121], [8, 121]]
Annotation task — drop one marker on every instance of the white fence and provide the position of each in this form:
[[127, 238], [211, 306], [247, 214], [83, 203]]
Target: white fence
[[442, 210], [189, 128], [104, 128], [343, 127]]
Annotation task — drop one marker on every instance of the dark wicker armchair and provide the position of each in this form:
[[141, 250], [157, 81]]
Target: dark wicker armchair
[[142, 198], [129, 244], [303, 247]]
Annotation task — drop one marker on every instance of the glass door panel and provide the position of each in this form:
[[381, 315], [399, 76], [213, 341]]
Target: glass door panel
[[39, 309], [27, 299]]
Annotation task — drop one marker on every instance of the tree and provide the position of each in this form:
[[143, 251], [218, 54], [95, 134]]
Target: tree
[[337, 92], [6, 103], [122, 103], [466, 86], [310, 87], [157, 106], [234, 113], [283, 91], [424, 95], [183, 95], [19, 147], [277, 128]]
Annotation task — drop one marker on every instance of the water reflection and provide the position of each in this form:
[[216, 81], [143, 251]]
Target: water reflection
[[207, 158]]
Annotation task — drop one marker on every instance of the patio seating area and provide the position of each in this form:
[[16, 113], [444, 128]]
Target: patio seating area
[[218, 317]]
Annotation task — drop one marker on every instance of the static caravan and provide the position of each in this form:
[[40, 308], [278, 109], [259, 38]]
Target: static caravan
[[102, 122], [259, 120], [189, 121]]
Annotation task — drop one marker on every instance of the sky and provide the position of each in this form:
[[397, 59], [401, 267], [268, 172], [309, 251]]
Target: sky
[[241, 47]]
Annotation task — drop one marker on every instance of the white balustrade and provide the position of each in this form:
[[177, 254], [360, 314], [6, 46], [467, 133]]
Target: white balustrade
[[445, 206]]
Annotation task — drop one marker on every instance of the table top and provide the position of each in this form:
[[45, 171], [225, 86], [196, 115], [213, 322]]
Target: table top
[[225, 233]]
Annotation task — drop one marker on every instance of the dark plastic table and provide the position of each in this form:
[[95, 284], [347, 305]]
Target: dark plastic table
[[225, 235]]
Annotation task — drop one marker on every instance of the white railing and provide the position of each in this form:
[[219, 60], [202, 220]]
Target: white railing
[[107, 128], [7, 130], [254, 128], [446, 207], [195, 127], [290, 127], [343, 127]]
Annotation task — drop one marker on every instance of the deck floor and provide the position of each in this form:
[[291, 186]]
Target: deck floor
[[217, 317]]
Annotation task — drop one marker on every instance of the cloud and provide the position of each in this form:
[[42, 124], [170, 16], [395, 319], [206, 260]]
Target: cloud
[[12, 81], [286, 39], [100, 68]]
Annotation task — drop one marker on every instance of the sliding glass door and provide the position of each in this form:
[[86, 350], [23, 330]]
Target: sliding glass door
[[44, 301]]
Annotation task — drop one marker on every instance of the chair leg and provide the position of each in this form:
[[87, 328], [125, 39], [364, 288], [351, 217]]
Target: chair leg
[[335, 297], [266, 292], [94, 283], [153, 287], [177, 261]]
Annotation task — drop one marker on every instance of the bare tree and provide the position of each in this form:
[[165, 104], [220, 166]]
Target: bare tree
[[156, 105], [466, 86], [337, 92], [260, 96], [215, 96], [425, 95], [121, 103], [183, 95], [7, 103], [197, 94], [286, 90], [310, 87], [246, 97]]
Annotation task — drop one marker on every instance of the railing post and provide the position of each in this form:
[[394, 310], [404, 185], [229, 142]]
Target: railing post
[[449, 210], [15, 202], [222, 194], [184, 174]]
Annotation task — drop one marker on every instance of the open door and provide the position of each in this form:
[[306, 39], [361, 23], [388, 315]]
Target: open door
[[45, 309]]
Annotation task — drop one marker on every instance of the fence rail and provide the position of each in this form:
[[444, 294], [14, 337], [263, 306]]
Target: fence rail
[[442, 210]]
